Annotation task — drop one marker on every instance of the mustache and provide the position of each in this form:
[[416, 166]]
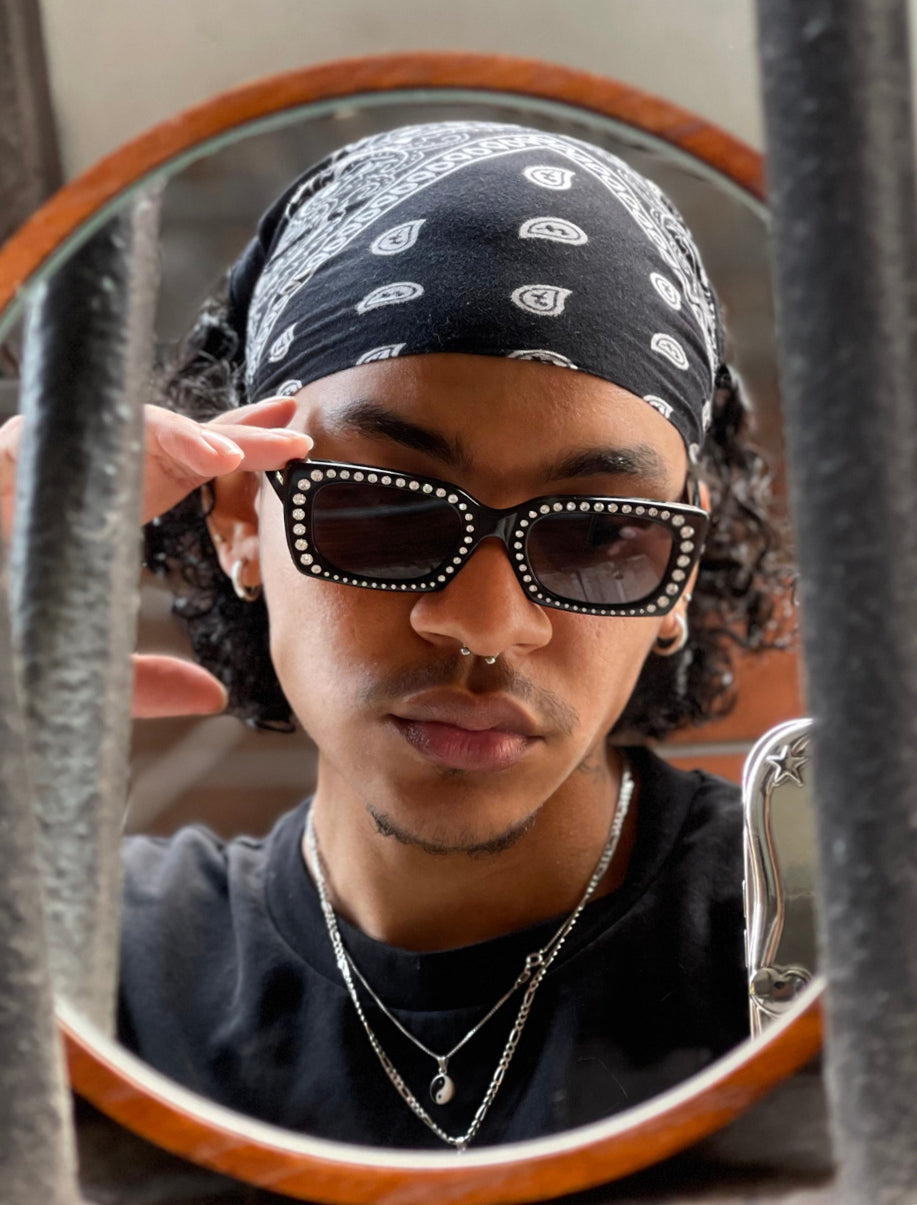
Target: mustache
[[448, 670]]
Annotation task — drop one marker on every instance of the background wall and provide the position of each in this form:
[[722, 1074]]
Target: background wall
[[118, 66]]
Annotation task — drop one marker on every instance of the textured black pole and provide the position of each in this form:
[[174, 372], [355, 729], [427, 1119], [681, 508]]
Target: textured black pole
[[840, 156], [36, 1134], [75, 564]]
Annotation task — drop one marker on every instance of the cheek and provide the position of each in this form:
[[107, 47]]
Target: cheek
[[607, 656], [326, 641]]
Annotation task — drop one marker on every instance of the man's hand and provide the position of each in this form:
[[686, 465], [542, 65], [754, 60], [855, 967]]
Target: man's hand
[[181, 455]]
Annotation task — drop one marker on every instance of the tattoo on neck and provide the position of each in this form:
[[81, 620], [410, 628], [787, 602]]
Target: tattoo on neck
[[594, 766]]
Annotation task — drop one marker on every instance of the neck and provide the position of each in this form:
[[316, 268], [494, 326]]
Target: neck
[[406, 896]]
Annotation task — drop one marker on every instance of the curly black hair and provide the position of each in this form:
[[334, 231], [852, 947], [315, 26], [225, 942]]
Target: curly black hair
[[743, 571]]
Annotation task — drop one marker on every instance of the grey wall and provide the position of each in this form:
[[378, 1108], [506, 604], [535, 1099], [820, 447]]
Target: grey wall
[[118, 66]]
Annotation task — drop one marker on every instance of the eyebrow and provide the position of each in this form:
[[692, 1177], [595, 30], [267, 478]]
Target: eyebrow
[[370, 419], [640, 460]]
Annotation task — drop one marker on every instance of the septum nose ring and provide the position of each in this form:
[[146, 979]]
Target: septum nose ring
[[466, 652]]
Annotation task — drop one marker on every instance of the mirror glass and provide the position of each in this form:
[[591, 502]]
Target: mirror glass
[[216, 772]]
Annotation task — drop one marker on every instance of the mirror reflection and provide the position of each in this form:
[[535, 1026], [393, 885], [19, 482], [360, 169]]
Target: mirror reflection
[[488, 521]]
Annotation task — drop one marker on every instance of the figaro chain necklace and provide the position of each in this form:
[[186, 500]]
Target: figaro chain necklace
[[536, 966]]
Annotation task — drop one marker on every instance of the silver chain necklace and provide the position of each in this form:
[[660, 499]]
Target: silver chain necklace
[[442, 1087]]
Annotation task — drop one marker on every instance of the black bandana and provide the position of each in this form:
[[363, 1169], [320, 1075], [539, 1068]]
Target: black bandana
[[486, 239]]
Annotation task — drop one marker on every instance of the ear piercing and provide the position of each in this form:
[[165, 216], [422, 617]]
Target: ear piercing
[[668, 648], [466, 652], [246, 593]]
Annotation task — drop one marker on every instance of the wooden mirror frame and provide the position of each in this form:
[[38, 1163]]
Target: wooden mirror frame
[[148, 1103]]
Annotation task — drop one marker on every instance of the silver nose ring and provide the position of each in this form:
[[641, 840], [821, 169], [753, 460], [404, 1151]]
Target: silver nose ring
[[466, 652]]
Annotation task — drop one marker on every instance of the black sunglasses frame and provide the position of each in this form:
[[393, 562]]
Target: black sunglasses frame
[[300, 482]]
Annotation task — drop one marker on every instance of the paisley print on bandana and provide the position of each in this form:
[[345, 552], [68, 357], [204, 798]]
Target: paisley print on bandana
[[393, 294], [666, 346], [666, 290], [545, 300], [558, 178], [380, 353], [460, 207], [543, 356], [398, 239], [558, 230]]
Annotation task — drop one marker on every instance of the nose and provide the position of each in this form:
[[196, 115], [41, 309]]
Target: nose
[[484, 608]]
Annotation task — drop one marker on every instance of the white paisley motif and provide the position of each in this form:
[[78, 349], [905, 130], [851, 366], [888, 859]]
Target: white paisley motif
[[543, 356], [669, 347], [398, 239], [281, 344], [545, 300], [558, 230], [288, 388], [706, 415], [558, 178], [666, 290], [664, 408], [394, 294], [388, 352]]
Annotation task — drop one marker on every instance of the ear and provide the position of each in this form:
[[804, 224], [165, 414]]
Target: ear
[[233, 524]]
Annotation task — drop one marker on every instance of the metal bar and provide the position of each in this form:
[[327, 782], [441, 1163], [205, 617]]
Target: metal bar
[[839, 130], [30, 168], [36, 1133], [86, 366]]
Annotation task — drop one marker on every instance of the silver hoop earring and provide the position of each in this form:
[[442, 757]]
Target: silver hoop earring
[[668, 648], [466, 652], [246, 593]]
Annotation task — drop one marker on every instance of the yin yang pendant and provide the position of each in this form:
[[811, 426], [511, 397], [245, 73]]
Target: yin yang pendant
[[442, 1088]]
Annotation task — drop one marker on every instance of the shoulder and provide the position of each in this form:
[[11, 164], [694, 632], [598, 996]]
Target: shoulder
[[695, 814], [694, 895], [705, 792], [688, 861], [194, 880], [194, 920], [194, 864], [178, 893]]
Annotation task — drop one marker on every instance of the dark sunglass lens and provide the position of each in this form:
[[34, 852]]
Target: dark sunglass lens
[[599, 558], [383, 532]]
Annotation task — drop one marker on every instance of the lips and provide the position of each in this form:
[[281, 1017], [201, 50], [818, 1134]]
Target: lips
[[476, 713], [465, 732]]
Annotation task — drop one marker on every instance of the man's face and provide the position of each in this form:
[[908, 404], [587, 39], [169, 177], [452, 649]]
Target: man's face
[[443, 749]]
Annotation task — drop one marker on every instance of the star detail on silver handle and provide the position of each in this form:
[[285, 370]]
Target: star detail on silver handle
[[787, 765]]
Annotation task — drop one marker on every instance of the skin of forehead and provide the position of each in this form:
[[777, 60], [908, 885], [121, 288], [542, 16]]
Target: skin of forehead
[[514, 418]]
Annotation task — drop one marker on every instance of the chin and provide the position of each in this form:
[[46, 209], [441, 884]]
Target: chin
[[453, 835]]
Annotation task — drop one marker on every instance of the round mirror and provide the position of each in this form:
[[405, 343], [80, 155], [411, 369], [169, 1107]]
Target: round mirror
[[221, 165]]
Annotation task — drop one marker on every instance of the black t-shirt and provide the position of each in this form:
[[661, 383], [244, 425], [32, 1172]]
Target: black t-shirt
[[229, 983]]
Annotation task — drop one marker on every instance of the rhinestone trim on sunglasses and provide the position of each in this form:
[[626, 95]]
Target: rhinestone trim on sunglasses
[[672, 584]]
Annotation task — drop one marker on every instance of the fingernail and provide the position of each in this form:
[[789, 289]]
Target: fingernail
[[220, 443], [268, 401], [287, 436]]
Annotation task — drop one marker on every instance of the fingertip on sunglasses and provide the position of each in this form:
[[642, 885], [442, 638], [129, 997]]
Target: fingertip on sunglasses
[[297, 444], [266, 402], [274, 410]]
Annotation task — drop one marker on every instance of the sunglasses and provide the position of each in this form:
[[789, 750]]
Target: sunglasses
[[383, 530]]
